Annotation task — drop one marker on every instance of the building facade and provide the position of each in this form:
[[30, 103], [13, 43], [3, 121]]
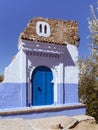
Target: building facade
[[44, 72]]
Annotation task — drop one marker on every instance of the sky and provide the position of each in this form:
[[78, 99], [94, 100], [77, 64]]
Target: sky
[[15, 14]]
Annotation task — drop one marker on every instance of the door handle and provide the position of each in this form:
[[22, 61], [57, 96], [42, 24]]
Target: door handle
[[39, 89]]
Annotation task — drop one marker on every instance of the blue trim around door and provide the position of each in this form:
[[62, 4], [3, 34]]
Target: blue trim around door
[[42, 88]]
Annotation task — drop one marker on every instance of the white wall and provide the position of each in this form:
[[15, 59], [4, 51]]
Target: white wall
[[73, 50], [64, 67], [71, 71], [16, 71]]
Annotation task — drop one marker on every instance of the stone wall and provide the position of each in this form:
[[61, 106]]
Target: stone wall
[[61, 31]]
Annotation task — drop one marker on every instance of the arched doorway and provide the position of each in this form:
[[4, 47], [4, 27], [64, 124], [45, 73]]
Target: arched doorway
[[42, 87]]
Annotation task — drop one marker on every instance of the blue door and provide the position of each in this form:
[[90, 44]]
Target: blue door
[[42, 88]]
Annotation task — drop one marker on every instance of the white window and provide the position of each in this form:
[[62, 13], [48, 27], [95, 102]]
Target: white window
[[43, 29]]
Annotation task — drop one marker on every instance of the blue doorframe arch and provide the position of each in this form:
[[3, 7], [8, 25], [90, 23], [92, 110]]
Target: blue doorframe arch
[[42, 87]]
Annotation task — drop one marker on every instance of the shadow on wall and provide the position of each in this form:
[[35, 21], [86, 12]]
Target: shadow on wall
[[68, 61]]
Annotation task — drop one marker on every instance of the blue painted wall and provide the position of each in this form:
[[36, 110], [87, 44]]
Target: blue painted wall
[[71, 93], [60, 95], [16, 96], [67, 93], [12, 95]]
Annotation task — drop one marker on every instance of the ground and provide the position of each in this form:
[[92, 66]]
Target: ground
[[51, 123]]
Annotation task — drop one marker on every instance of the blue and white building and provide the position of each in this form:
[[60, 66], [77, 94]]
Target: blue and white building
[[44, 73]]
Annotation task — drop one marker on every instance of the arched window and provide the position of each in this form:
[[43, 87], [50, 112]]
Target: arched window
[[43, 29], [40, 28]]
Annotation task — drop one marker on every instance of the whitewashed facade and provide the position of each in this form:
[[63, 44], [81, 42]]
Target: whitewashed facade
[[59, 61]]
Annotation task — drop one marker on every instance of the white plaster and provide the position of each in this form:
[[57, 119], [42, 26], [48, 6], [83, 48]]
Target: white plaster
[[23, 63], [60, 73], [73, 50], [42, 33], [16, 71], [71, 71], [71, 74], [55, 78], [12, 72]]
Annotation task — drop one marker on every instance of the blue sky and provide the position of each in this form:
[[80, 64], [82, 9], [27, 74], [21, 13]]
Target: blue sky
[[15, 14]]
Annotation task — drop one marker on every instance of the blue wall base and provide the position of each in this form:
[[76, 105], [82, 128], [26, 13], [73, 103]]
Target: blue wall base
[[67, 93], [44, 111], [12, 95], [14, 102]]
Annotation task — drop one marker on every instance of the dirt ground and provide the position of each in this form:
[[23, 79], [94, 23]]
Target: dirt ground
[[84, 125], [51, 123]]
